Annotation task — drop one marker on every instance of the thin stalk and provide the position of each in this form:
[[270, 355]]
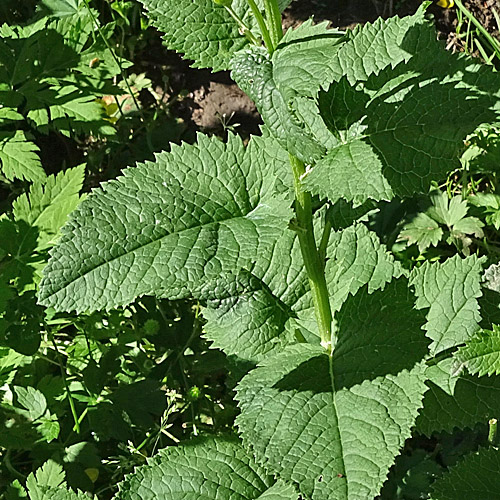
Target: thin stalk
[[66, 387], [262, 26], [312, 262], [117, 62], [494, 44], [273, 18], [244, 29]]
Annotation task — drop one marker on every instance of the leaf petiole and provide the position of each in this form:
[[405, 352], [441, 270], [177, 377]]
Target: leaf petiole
[[262, 26], [273, 18], [244, 29]]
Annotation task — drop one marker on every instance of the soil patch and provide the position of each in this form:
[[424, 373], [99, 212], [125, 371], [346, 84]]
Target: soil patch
[[211, 102]]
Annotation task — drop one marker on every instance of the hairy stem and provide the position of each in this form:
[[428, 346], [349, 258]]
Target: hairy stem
[[262, 26], [312, 261]]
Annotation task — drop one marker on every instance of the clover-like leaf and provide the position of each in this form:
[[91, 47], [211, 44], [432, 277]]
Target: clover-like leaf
[[19, 157], [47, 205]]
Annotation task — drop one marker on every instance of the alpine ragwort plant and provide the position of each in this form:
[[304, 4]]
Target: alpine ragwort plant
[[347, 353]]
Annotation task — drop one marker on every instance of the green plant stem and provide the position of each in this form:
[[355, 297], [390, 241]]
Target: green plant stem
[[273, 18], [313, 264], [243, 27], [11, 468], [66, 387], [117, 61], [494, 44], [262, 26]]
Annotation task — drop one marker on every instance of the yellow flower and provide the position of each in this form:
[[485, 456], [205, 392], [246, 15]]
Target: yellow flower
[[446, 4]]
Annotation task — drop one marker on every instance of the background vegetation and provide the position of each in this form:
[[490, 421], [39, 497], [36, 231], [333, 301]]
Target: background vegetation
[[86, 89]]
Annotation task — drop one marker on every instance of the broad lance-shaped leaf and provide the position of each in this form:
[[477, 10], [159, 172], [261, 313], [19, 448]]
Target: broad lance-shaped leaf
[[248, 318], [476, 477], [450, 292], [312, 57], [202, 30], [401, 129], [166, 228], [481, 354], [206, 469], [334, 424], [253, 72]]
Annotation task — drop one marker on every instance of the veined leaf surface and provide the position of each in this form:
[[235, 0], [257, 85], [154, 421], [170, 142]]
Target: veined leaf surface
[[205, 469], [202, 30], [473, 478], [168, 228], [481, 354], [309, 58], [401, 129], [450, 292], [335, 424]]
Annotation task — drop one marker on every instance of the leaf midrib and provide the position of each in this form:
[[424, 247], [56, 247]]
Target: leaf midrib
[[44, 298]]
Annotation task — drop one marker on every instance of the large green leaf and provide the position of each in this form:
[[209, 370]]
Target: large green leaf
[[450, 292], [476, 477], [169, 227], [310, 57], [357, 258], [457, 401], [202, 31], [253, 72], [260, 311], [401, 129], [249, 320], [204, 469], [334, 424]]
